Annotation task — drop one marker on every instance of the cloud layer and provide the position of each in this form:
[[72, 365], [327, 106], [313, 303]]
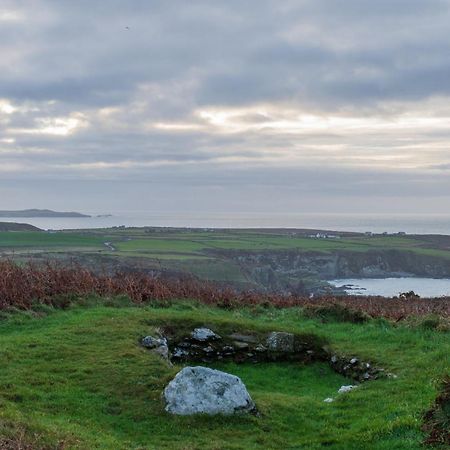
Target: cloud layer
[[236, 104]]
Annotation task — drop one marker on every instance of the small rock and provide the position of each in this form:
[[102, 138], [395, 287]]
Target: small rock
[[329, 400], [156, 345], [204, 334], [260, 348], [344, 389], [151, 342], [240, 345], [334, 359], [200, 390], [228, 349], [162, 351], [244, 338], [180, 353], [353, 361], [282, 342]]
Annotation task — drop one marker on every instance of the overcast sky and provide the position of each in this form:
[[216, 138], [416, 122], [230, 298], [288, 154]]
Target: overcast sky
[[225, 106]]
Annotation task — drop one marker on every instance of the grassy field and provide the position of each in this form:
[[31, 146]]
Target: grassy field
[[197, 242], [80, 378], [210, 254], [41, 240]]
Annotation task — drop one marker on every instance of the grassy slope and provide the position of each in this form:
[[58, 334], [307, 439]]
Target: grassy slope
[[79, 375], [194, 242], [190, 250], [38, 239]]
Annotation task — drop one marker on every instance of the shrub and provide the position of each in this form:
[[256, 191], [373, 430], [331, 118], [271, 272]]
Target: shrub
[[22, 287]]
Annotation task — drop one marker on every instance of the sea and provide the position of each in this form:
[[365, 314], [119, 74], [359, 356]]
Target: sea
[[390, 287], [376, 223]]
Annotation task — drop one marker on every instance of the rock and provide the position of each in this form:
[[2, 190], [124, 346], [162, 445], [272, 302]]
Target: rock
[[244, 338], [329, 400], [151, 342], [240, 345], [162, 351], [180, 353], [344, 389], [200, 390], [279, 341], [156, 345], [204, 334]]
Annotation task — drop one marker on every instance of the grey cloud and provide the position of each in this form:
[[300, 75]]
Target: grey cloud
[[176, 58]]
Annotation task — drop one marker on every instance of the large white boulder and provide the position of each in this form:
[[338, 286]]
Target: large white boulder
[[200, 390]]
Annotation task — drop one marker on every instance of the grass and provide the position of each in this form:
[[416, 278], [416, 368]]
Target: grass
[[36, 239], [78, 376], [197, 242], [211, 255]]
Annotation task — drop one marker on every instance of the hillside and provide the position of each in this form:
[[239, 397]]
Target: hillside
[[287, 261], [12, 226], [75, 376], [28, 213], [78, 379]]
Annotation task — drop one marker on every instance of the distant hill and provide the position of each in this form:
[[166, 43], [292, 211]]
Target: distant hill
[[40, 213], [12, 226]]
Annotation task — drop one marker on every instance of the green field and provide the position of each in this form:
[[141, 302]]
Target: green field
[[80, 378], [197, 242], [216, 255], [43, 240]]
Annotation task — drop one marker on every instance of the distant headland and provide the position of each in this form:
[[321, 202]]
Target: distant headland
[[40, 213]]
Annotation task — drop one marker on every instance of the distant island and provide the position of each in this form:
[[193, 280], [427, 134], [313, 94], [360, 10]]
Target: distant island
[[40, 213]]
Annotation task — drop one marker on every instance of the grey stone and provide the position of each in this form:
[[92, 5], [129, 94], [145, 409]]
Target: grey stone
[[282, 342], [240, 345], [244, 338], [162, 351], [152, 342], [200, 390], [344, 389], [204, 334], [156, 345], [180, 353], [329, 400]]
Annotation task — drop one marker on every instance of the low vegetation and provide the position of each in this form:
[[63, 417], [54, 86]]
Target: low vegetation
[[78, 379], [23, 286], [75, 377], [437, 419]]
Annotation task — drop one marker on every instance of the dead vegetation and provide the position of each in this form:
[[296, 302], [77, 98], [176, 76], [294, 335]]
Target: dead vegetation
[[23, 286]]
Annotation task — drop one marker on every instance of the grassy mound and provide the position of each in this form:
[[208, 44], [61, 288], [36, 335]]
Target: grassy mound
[[77, 378]]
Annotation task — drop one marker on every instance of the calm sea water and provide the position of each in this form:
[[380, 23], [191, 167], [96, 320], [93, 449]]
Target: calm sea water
[[389, 287], [413, 224]]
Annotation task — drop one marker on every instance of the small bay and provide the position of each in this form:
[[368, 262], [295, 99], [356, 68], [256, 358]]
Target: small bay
[[389, 287]]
